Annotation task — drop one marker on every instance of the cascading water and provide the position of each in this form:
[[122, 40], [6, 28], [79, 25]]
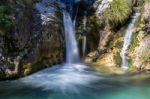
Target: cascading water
[[72, 53], [71, 77], [127, 39], [84, 34]]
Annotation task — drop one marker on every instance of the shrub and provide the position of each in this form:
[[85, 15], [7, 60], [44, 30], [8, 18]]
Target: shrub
[[119, 11]]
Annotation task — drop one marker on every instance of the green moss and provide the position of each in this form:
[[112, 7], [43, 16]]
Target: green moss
[[117, 42], [118, 59], [119, 11], [134, 42], [131, 66], [118, 45], [130, 63]]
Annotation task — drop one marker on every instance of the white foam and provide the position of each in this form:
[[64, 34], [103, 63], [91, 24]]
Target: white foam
[[67, 78]]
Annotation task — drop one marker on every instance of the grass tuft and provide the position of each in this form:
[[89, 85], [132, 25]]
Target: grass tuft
[[119, 11]]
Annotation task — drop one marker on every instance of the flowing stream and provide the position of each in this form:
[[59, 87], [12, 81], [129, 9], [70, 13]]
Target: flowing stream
[[127, 40]]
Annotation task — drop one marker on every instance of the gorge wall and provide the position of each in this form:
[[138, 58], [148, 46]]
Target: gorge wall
[[30, 45]]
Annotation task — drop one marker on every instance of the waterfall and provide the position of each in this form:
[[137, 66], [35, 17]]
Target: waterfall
[[72, 53], [127, 40], [84, 41], [70, 77]]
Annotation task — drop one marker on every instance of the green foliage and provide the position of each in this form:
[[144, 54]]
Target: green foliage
[[6, 22], [119, 11], [131, 66], [134, 42]]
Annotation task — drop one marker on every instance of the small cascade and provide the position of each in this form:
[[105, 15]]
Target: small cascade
[[128, 38], [84, 41]]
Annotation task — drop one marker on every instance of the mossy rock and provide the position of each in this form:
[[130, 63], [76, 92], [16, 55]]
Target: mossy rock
[[118, 59], [117, 41], [134, 43]]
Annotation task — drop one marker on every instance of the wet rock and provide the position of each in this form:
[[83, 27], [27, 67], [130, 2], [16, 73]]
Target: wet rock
[[91, 57], [37, 42]]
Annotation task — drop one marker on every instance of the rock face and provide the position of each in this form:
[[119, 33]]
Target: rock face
[[101, 6], [106, 28], [98, 33], [140, 55], [34, 43], [105, 34], [111, 37]]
